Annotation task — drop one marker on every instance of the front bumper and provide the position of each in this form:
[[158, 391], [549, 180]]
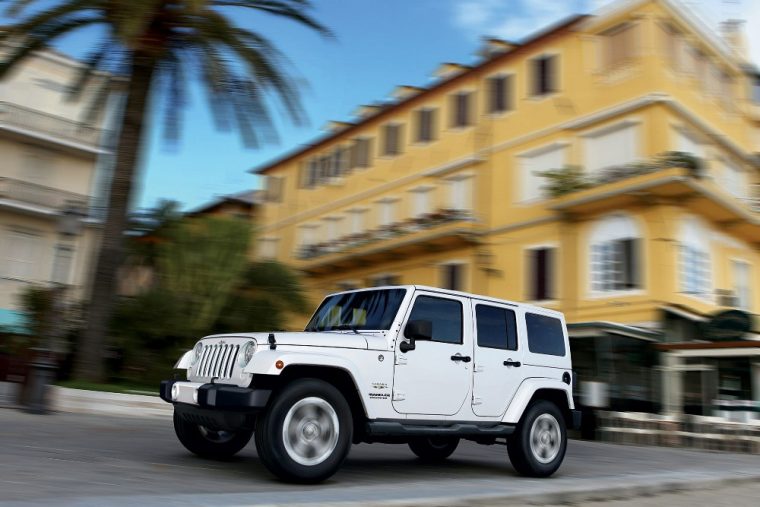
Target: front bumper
[[214, 396]]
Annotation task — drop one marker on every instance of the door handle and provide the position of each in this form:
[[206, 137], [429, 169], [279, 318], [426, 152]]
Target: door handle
[[464, 359], [509, 362]]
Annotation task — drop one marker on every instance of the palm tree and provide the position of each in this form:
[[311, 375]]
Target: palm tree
[[157, 45]]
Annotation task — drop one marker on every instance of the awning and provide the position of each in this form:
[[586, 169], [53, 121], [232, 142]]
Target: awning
[[593, 328]]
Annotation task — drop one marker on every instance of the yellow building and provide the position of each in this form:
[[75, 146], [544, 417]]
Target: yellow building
[[53, 162], [443, 186]]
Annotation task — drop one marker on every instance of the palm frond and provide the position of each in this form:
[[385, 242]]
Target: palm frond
[[285, 8]]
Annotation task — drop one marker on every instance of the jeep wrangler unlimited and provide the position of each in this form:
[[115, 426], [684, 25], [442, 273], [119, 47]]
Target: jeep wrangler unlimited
[[414, 365]]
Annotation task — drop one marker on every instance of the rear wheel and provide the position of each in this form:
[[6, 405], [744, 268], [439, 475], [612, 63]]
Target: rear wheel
[[208, 443], [538, 445], [433, 449], [306, 433]]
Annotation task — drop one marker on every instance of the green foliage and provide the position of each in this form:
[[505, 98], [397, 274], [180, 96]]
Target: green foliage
[[564, 181]]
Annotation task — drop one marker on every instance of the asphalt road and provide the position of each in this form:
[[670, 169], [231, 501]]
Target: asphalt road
[[67, 459]]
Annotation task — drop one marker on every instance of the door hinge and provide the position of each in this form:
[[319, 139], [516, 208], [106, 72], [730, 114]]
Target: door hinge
[[399, 396], [400, 359], [477, 401], [477, 368]]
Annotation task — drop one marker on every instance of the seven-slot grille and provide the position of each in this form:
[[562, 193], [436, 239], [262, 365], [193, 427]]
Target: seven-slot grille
[[218, 360]]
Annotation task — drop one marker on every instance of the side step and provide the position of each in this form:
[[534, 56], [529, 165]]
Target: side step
[[405, 429]]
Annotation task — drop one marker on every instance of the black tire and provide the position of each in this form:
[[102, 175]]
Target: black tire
[[311, 408], [207, 443], [433, 449], [543, 421]]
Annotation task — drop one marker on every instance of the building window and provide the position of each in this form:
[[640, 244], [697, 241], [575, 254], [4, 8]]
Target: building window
[[360, 153], [460, 188], [268, 248], [734, 179], [452, 276], [541, 273], [688, 143], [615, 255], [496, 327], [340, 162], [755, 89], [274, 188], [22, 251], [421, 201], [694, 259], [536, 162], [499, 94], [425, 125], [308, 235], [385, 280], [358, 223], [391, 140], [333, 226], [611, 147], [742, 273], [62, 264], [544, 75], [386, 212], [461, 110], [619, 45]]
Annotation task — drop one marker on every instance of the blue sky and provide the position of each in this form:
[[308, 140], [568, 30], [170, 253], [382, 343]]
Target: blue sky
[[378, 44]]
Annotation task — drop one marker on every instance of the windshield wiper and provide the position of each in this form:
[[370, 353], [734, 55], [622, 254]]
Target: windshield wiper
[[346, 327]]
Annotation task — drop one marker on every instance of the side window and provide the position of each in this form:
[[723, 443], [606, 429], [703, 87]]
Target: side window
[[496, 327], [445, 314], [545, 335]]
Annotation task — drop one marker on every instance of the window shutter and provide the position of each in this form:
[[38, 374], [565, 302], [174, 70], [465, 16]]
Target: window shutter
[[630, 272]]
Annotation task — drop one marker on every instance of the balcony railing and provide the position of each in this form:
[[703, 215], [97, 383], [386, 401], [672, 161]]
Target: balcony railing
[[381, 234], [32, 193], [15, 116]]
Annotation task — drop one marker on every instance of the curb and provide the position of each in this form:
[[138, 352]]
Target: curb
[[570, 496], [80, 401]]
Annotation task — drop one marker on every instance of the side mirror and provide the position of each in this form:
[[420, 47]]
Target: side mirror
[[419, 330]]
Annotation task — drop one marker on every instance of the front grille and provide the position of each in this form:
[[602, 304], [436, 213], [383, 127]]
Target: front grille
[[218, 360]]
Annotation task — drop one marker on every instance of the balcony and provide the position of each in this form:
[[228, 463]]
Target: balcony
[[34, 197], [443, 229], [32, 123]]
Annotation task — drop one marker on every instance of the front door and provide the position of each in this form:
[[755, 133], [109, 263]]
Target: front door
[[434, 378], [498, 358]]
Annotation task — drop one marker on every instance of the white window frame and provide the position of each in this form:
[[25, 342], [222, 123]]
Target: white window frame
[[554, 282], [387, 212], [742, 284], [268, 248], [526, 195], [603, 238], [27, 267], [628, 123], [695, 252], [422, 202]]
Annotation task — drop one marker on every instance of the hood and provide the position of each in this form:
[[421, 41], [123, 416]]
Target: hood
[[339, 339]]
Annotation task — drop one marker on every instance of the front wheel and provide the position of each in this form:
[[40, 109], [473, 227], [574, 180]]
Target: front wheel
[[538, 445], [433, 449], [306, 433], [208, 443]]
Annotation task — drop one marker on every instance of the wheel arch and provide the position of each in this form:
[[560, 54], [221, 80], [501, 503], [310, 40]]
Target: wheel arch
[[533, 389]]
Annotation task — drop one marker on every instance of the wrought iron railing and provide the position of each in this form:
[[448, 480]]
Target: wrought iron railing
[[13, 115]]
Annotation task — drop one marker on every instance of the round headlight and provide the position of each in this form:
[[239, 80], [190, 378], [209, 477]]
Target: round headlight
[[197, 351], [246, 353]]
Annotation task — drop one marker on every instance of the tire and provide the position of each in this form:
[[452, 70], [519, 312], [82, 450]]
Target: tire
[[208, 443], [306, 433], [433, 449], [538, 445]]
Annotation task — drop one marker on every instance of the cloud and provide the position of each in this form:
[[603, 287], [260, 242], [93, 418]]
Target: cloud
[[512, 19]]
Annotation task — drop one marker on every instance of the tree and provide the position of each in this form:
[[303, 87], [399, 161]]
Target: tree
[[158, 45]]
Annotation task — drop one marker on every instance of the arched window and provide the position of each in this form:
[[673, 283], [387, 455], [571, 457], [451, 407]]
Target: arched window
[[694, 258], [615, 254]]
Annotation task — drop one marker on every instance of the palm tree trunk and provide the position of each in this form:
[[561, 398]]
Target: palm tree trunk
[[89, 361]]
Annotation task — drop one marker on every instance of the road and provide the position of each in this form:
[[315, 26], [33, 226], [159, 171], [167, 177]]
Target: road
[[67, 459]]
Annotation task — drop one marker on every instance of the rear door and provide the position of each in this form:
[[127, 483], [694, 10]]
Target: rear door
[[498, 357]]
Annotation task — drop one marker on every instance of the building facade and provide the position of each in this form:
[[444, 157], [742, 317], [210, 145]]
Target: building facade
[[54, 164], [605, 167]]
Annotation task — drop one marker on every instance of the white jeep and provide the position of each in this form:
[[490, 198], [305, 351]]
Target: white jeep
[[409, 364]]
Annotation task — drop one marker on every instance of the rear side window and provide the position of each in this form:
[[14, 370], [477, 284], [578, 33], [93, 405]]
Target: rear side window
[[496, 327], [445, 315], [545, 335]]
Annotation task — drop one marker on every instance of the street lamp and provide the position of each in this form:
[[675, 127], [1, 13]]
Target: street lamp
[[44, 365]]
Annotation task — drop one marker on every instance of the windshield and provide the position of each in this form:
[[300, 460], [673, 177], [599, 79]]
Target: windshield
[[371, 309]]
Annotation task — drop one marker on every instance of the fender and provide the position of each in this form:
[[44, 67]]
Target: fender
[[525, 392], [184, 361]]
